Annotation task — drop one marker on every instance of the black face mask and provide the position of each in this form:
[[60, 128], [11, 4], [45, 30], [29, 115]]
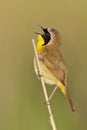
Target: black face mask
[[46, 36]]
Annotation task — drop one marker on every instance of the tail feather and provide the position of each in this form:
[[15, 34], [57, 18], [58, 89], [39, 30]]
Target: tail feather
[[66, 93], [70, 100]]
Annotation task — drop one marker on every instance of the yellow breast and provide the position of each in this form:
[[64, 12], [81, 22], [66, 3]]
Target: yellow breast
[[40, 43]]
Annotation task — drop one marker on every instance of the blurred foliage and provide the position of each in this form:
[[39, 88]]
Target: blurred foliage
[[22, 100]]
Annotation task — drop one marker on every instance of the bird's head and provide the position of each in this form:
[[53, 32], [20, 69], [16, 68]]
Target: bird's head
[[48, 37]]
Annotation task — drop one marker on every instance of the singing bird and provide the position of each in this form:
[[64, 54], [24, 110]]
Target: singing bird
[[53, 67]]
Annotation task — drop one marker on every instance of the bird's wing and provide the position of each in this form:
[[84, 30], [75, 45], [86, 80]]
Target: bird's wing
[[56, 65]]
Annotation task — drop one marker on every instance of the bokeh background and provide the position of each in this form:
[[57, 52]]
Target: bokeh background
[[21, 97]]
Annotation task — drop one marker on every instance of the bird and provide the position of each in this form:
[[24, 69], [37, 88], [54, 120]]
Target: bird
[[52, 64]]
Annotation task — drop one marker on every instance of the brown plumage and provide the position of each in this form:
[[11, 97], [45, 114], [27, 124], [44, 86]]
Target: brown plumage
[[52, 64]]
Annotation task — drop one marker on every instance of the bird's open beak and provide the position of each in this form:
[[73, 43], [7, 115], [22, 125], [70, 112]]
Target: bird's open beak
[[42, 29], [37, 33]]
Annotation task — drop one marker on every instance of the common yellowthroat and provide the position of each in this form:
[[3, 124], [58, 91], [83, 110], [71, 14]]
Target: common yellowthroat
[[53, 67]]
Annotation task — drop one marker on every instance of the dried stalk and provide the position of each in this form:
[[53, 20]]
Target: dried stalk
[[44, 89]]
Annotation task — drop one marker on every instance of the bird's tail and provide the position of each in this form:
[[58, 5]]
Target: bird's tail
[[66, 93]]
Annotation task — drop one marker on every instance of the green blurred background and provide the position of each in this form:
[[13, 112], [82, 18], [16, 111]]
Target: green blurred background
[[21, 97]]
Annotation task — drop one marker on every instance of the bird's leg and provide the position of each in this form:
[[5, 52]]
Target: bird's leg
[[51, 95], [39, 75]]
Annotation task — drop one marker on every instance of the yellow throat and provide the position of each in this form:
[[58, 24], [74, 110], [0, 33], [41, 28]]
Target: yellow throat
[[40, 43]]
